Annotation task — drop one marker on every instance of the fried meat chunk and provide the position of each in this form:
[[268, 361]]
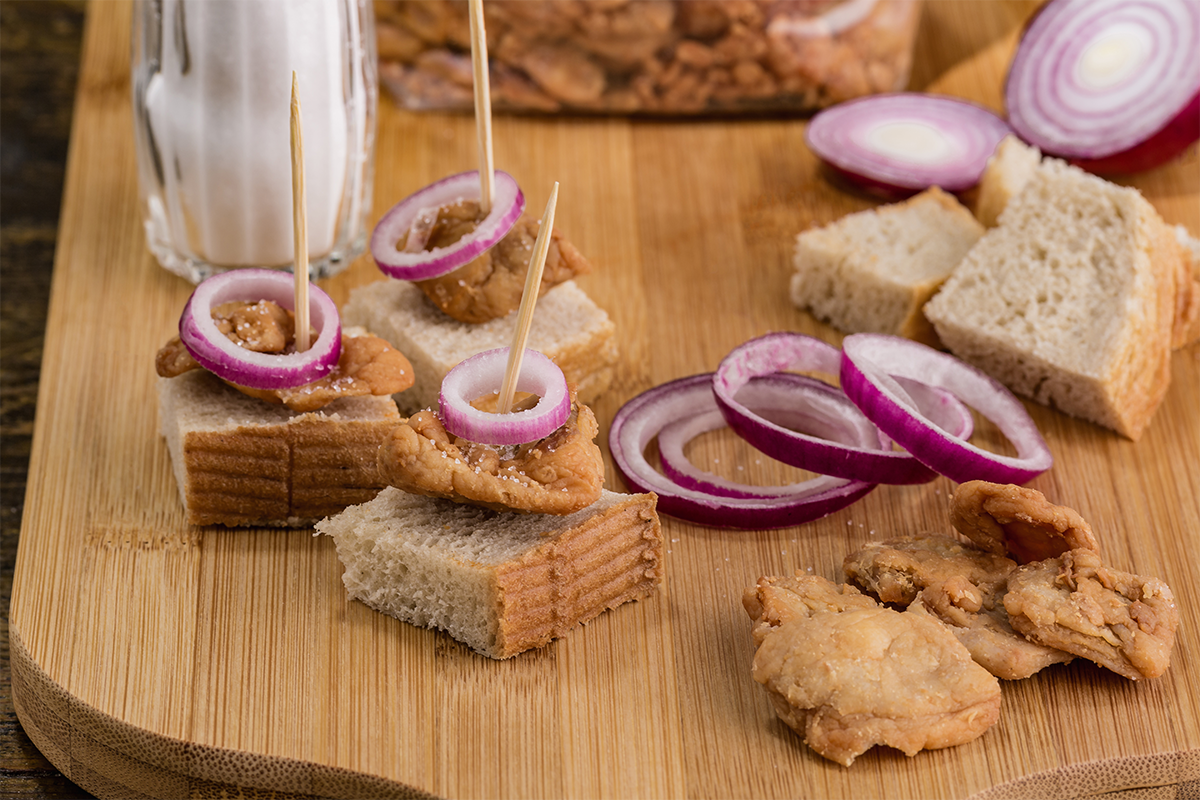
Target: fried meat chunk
[[1018, 522], [959, 584], [848, 676], [560, 474], [778, 600], [1121, 621], [367, 364], [491, 285]]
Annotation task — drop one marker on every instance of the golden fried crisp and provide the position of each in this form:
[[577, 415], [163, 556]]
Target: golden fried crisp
[[491, 285], [777, 600], [367, 364], [1121, 621], [848, 674], [1017, 521], [959, 584], [560, 474]]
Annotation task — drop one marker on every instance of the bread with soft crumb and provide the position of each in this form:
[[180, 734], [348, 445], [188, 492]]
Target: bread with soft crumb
[[499, 582], [1070, 300], [1008, 170], [240, 461], [568, 327], [873, 271]]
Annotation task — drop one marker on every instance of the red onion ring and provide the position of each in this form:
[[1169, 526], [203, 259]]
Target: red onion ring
[[215, 352], [1110, 85], [865, 459], [507, 207], [482, 373], [905, 142], [643, 417], [783, 398], [879, 395]]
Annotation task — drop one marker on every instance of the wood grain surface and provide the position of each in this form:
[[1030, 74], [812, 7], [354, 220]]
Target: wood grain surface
[[155, 659]]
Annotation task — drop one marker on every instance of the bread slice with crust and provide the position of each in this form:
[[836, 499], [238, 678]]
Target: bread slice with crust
[[1071, 300], [569, 328], [1007, 171], [500, 582], [873, 271], [240, 461]]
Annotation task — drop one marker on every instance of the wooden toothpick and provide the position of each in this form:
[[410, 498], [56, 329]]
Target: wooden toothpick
[[533, 282], [299, 224], [483, 106]]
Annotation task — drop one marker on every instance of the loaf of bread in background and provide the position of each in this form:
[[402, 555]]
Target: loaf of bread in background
[[1071, 299], [241, 461], [872, 272], [500, 582], [1007, 172], [567, 327]]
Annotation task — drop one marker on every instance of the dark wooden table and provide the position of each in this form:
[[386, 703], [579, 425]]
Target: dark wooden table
[[39, 60]]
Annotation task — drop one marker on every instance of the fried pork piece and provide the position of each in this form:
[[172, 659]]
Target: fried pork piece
[[491, 285], [1019, 522], [1121, 621], [848, 676], [961, 585], [778, 600], [560, 474], [367, 365]]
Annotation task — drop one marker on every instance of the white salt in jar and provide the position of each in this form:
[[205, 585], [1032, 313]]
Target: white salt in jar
[[212, 96]]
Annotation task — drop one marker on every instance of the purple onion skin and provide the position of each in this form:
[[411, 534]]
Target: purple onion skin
[[751, 518], [1171, 140]]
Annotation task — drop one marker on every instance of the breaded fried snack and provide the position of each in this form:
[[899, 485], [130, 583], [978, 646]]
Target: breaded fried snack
[[849, 674]]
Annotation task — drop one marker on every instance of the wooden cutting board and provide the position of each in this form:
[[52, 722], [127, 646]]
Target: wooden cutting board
[[156, 659]]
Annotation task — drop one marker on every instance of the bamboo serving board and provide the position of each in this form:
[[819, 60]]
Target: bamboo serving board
[[151, 658]]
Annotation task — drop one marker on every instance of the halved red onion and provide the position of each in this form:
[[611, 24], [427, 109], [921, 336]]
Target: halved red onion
[[905, 142], [1110, 85], [643, 417], [866, 457], [482, 374], [871, 364], [219, 355], [507, 208]]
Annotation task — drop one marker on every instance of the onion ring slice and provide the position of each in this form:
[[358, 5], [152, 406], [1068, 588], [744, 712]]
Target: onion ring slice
[[507, 208], [905, 142], [776, 397], [482, 373], [882, 399], [1111, 85], [218, 354], [868, 457], [643, 417]]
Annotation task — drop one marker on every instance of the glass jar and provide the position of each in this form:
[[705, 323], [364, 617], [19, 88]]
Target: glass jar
[[649, 57], [212, 102]]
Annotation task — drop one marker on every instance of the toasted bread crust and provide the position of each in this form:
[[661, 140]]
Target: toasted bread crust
[[608, 560], [237, 467]]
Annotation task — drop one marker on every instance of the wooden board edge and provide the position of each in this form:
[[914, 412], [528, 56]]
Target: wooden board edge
[[112, 758]]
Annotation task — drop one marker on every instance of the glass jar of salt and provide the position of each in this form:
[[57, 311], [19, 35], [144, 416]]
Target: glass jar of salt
[[212, 86]]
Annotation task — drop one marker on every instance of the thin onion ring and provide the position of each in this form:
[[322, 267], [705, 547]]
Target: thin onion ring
[[875, 390], [773, 396], [776, 352], [643, 417], [507, 207], [482, 373], [215, 352]]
